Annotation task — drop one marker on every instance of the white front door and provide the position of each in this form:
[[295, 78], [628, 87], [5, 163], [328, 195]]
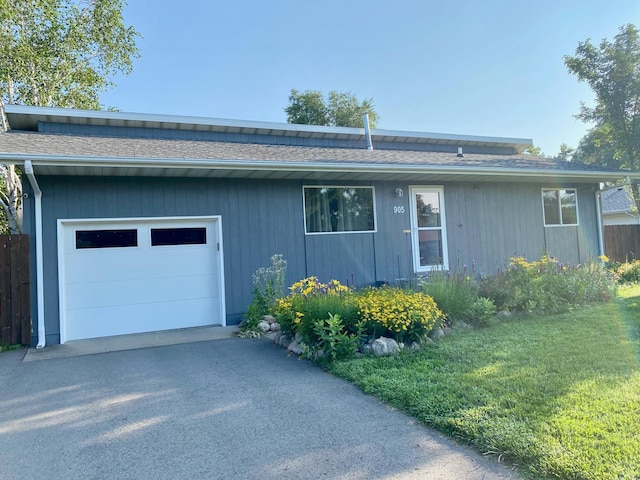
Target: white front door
[[129, 276], [429, 238]]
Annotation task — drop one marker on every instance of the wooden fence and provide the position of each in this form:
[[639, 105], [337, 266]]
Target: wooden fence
[[622, 242], [15, 290]]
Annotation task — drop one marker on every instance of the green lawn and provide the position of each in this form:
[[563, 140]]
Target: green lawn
[[558, 396]]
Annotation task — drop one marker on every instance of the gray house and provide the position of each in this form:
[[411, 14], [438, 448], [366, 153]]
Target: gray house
[[151, 222]]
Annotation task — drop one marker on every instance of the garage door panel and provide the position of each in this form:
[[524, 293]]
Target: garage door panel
[[116, 265], [118, 290], [125, 319], [151, 290]]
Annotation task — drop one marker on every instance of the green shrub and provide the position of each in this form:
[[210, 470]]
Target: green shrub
[[402, 314], [547, 285], [454, 293], [629, 272], [333, 340], [310, 301], [482, 312], [268, 285]]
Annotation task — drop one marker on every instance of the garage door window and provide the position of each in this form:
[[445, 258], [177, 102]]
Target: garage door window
[[106, 238], [178, 236]]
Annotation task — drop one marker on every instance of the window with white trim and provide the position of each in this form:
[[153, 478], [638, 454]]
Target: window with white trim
[[331, 209], [560, 206]]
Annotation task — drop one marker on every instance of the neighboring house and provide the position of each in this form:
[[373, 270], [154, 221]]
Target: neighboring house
[[619, 207], [150, 222]]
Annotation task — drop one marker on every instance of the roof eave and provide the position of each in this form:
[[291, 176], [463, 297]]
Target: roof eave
[[319, 167]]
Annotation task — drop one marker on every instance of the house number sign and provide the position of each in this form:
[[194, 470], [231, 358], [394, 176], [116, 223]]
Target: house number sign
[[398, 209]]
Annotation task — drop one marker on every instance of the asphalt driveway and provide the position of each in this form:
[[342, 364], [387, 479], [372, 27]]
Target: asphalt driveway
[[219, 409]]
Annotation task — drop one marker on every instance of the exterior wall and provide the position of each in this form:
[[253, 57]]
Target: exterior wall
[[621, 219], [486, 223], [173, 134]]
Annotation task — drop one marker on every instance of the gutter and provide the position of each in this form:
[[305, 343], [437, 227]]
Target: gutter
[[28, 170], [45, 160]]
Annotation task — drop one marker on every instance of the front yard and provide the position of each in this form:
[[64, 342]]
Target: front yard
[[556, 395]]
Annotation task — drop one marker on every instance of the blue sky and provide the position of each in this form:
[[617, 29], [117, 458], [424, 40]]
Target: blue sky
[[491, 68]]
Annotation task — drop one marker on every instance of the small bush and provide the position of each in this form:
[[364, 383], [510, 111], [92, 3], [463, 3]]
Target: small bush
[[268, 285], [332, 340], [482, 312], [310, 301], [454, 293], [547, 285], [399, 313], [629, 272]]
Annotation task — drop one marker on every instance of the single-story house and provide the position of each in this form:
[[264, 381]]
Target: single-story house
[[619, 206], [143, 222]]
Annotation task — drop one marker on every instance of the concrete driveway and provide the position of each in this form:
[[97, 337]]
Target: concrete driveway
[[218, 409]]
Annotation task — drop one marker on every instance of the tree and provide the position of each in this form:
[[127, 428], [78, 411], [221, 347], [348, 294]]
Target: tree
[[62, 53], [597, 148], [612, 70], [566, 153], [533, 151], [58, 53], [339, 109]]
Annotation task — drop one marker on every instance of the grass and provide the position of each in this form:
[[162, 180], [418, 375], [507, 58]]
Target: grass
[[558, 396], [7, 347]]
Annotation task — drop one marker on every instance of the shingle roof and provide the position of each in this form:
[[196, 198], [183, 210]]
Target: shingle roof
[[617, 199], [32, 143]]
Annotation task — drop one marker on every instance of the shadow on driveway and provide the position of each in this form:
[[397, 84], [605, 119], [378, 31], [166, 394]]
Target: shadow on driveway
[[220, 409]]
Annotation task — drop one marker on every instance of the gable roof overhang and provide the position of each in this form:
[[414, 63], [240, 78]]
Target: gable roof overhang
[[260, 169]]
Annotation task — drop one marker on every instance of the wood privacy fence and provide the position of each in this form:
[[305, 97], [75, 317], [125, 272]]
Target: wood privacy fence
[[622, 242], [15, 290]]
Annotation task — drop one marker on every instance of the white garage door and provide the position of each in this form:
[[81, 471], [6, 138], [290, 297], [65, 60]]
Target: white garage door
[[139, 275]]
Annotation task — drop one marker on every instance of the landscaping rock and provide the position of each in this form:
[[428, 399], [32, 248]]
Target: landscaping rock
[[284, 341], [437, 334], [270, 335], [384, 346], [414, 346], [275, 327], [268, 319], [503, 314], [264, 326], [298, 337], [295, 347]]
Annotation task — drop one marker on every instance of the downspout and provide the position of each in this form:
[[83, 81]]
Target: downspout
[[599, 222], [28, 170]]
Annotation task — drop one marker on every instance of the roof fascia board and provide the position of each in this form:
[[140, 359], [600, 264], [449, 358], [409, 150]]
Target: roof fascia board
[[171, 163]]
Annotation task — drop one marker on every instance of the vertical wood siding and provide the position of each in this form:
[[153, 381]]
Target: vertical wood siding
[[486, 222]]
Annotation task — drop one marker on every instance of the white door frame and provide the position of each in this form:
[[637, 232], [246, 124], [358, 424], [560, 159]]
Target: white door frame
[[215, 220], [415, 244]]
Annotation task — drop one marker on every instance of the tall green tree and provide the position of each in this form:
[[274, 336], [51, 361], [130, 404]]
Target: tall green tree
[[63, 53], [566, 153], [338, 109], [533, 151], [58, 53], [612, 70]]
